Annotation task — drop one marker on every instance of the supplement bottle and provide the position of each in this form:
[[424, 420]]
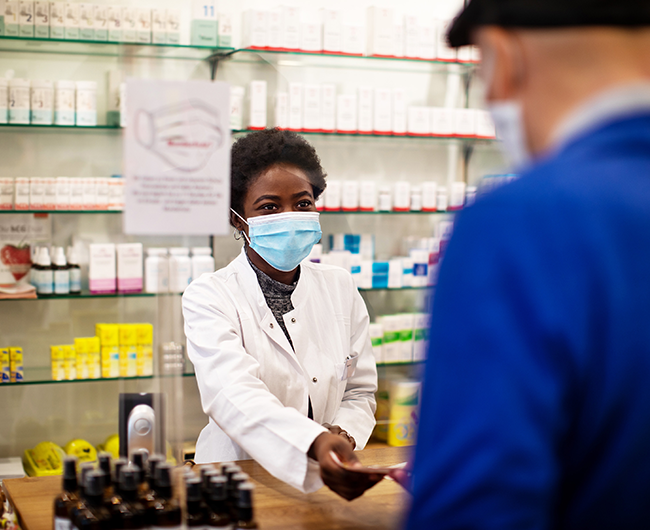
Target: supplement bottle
[[129, 512], [206, 474], [202, 261], [245, 517], [180, 269], [139, 459], [219, 514], [104, 465], [75, 271], [61, 272], [156, 271], [165, 511], [65, 500], [91, 513], [196, 514], [115, 498], [45, 275]]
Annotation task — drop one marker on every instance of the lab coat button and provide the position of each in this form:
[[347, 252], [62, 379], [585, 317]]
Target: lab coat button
[[271, 325], [315, 380], [293, 320]]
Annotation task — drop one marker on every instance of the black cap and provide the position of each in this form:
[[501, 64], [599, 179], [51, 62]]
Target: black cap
[[105, 463], [163, 478], [193, 488], [546, 14], [154, 460], [118, 464], [95, 481], [129, 477]]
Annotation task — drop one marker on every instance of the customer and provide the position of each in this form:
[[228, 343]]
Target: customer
[[281, 348], [536, 401]]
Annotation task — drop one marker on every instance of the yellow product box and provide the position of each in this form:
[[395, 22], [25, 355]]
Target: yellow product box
[[108, 334], [128, 335], [69, 361], [94, 358], [404, 413], [110, 361], [81, 348], [128, 350], [16, 364], [145, 349], [58, 363], [5, 368]]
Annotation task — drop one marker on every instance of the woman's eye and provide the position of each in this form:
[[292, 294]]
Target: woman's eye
[[304, 204], [268, 207]]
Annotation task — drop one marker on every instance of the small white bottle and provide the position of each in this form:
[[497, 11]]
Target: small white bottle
[[42, 102], [86, 108], [45, 275], [443, 200], [180, 269], [385, 199], [61, 272], [202, 261], [19, 101], [64, 103], [156, 271], [75, 271]]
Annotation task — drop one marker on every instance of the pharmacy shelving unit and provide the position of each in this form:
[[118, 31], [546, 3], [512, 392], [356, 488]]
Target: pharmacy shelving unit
[[42, 409]]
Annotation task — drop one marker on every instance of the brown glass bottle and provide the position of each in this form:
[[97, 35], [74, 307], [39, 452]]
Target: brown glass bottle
[[129, 512], [218, 514], [104, 464], [65, 500], [91, 513], [196, 515], [245, 516], [115, 497], [165, 511]]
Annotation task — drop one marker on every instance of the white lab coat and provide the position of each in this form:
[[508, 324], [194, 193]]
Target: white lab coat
[[255, 389]]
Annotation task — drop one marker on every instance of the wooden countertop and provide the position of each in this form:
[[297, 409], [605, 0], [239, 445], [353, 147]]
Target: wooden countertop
[[277, 505]]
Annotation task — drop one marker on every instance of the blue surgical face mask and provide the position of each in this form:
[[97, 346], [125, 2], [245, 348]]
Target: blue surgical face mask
[[509, 122], [283, 240]]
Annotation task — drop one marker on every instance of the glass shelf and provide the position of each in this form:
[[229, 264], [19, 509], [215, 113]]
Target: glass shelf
[[43, 376], [297, 58], [377, 289], [375, 135], [110, 49], [376, 212], [69, 127], [87, 295], [62, 211]]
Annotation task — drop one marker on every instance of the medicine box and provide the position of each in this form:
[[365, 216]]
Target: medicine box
[[159, 26], [257, 105], [346, 113], [365, 110], [173, 26], [204, 28], [114, 19], [295, 106], [11, 19], [381, 31], [100, 25], [275, 38], [328, 108], [382, 122], [256, 29], [281, 110], [129, 24], [353, 40], [143, 21], [26, 18], [442, 121], [129, 267], [291, 28], [332, 30], [311, 108], [399, 123], [72, 21], [419, 121], [102, 270], [87, 21], [16, 364], [224, 28]]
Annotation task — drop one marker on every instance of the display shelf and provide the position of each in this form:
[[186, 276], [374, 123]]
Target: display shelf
[[87, 295], [394, 289], [400, 363], [67, 127], [62, 211], [377, 212], [298, 58], [43, 376], [378, 135], [110, 49]]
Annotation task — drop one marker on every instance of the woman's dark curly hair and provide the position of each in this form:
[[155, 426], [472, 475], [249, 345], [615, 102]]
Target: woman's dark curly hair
[[254, 153]]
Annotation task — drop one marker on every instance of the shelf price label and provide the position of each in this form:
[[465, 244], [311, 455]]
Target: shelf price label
[[177, 157]]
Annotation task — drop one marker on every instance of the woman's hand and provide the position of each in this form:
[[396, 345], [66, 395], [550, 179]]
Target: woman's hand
[[346, 483], [335, 429]]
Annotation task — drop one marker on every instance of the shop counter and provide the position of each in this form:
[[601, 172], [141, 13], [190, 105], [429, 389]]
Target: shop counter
[[277, 505]]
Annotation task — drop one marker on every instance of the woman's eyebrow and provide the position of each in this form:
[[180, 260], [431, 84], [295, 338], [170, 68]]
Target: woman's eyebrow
[[266, 197], [301, 194]]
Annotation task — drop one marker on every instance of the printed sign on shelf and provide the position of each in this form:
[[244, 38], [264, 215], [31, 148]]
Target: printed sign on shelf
[[17, 233], [177, 157]]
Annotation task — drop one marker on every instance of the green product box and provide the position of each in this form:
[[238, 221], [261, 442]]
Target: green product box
[[87, 34], [204, 33], [71, 33], [101, 35], [27, 30], [42, 32]]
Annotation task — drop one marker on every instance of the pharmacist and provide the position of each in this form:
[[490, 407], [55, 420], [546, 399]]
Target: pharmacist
[[280, 347]]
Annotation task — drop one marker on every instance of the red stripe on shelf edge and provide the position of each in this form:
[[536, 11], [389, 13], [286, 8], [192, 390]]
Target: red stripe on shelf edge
[[349, 209], [429, 209], [332, 209], [454, 208], [342, 131], [256, 128], [383, 133], [327, 131], [399, 134], [423, 135], [383, 56], [401, 209], [365, 132], [366, 209], [312, 130]]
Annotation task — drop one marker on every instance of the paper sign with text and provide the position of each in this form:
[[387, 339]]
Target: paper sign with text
[[177, 157]]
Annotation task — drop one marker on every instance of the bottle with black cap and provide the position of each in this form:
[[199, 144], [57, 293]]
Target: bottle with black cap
[[104, 464], [152, 463], [164, 511], [91, 513], [207, 472], [65, 500], [139, 459], [219, 514], [129, 512], [229, 473], [245, 516], [115, 497], [196, 515]]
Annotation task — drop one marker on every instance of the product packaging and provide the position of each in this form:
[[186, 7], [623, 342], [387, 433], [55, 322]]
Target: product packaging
[[311, 108], [180, 269], [144, 349], [58, 363], [381, 31], [383, 114], [419, 121], [295, 106], [406, 337], [237, 94], [5, 366], [399, 43], [376, 333], [457, 198], [86, 104], [484, 124], [350, 196], [129, 24], [328, 108], [71, 21], [109, 341], [412, 36], [128, 350], [101, 193], [442, 121], [26, 18], [333, 196], [62, 193], [256, 29], [159, 26], [143, 21], [365, 110], [129, 267], [353, 39], [203, 30], [416, 199], [391, 347], [6, 193], [57, 20], [22, 193], [443, 200], [115, 193], [11, 21], [202, 261], [443, 51], [173, 26], [332, 30], [401, 196], [93, 349], [291, 28], [4, 100], [395, 274], [83, 364], [102, 273], [19, 101], [420, 259], [346, 113], [100, 26], [50, 193], [399, 112], [275, 38], [89, 186], [368, 196], [311, 35], [64, 102], [404, 413], [282, 110], [114, 78], [87, 21], [16, 365], [385, 202], [37, 193], [427, 38], [225, 30], [257, 105], [465, 122], [114, 18]]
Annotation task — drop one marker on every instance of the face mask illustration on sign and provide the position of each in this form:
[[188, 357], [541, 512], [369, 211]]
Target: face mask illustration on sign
[[184, 135]]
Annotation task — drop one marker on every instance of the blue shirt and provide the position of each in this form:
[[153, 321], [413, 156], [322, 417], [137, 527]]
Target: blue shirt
[[536, 400]]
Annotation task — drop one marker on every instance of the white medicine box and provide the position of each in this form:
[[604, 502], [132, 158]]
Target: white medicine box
[[256, 29], [257, 105], [381, 31], [204, 29], [26, 18], [332, 30]]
